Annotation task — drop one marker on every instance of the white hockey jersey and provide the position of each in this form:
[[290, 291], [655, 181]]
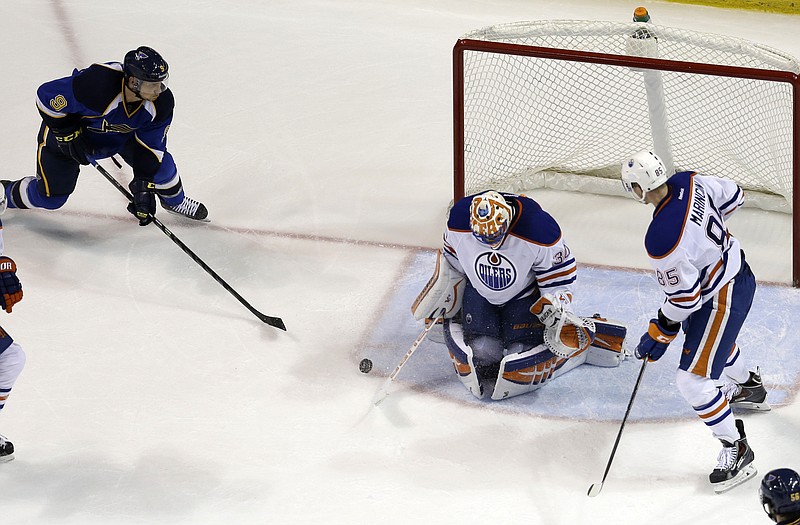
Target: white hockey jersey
[[534, 253], [689, 245]]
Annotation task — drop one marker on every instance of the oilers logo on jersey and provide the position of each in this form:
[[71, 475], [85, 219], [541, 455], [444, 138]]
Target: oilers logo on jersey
[[495, 271]]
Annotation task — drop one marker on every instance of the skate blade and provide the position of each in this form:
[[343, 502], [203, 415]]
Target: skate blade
[[756, 407], [185, 217], [5, 459], [724, 486]]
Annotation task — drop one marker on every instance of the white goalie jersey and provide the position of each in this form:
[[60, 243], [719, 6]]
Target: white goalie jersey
[[533, 254], [688, 242]]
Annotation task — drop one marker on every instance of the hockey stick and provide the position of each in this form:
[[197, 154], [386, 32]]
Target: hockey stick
[[277, 322], [383, 392], [595, 489]]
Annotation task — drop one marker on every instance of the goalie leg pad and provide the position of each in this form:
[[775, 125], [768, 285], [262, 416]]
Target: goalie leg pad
[[444, 291], [461, 356], [606, 349], [524, 372]]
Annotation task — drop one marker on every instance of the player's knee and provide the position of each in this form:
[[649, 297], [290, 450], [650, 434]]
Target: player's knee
[[696, 390], [12, 361], [53, 202], [37, 198]]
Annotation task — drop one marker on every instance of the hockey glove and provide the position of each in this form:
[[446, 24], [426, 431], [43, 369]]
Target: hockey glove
[[73, 144], [10, 287], [548, 309], [655, 341], [143, 206]]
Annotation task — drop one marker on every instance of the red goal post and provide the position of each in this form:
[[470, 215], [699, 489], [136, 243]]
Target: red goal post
[[560, 104]]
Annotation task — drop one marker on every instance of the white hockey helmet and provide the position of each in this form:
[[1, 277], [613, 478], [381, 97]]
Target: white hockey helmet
[[490, 218], [644, 169]]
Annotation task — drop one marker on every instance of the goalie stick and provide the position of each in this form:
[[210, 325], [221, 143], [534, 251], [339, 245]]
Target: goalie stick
[[595, 489], [383, 392], [277, 322]]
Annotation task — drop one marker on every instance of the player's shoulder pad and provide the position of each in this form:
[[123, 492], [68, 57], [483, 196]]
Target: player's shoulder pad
[[458, 218], [531, 222], [165, 106], [97, 86], [666, 228]]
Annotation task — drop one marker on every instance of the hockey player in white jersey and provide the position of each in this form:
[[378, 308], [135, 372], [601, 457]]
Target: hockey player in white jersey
[[12, 357], [708, 289], [503, 284]]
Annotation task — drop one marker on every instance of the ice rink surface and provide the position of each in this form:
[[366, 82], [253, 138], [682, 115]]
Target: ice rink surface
[[318, 133]]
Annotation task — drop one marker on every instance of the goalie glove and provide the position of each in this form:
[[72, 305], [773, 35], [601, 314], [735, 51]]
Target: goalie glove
[[444, 291], [549, 309], [565, 333], [570, 336]]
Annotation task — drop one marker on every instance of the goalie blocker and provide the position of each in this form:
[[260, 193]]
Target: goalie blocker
[[444, 291]]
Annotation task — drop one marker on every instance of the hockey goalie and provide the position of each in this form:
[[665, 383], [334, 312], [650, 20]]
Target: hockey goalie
[[502, 289]]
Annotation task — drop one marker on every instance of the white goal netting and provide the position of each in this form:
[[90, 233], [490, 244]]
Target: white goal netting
[[530, 121]]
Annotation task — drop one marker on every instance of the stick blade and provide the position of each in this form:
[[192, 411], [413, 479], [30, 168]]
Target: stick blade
[[595, 489], [277, 322], [381, 394]]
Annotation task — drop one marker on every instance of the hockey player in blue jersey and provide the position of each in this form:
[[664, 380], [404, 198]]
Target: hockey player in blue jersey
[[107, 109], [708, 290], [503, 284], [12, 357], [780, 496]]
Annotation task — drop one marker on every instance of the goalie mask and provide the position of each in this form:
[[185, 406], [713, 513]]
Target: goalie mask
[[644, 170], [490, 218]]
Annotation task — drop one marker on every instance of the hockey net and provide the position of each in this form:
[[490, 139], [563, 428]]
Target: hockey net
[[561, 104]]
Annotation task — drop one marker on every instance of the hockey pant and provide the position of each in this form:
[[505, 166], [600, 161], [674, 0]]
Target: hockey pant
[[12, 361], [710, 350]]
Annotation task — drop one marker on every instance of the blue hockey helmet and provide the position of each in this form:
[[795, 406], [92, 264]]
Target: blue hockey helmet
[[146, 64], [780, 493], [148, 69]]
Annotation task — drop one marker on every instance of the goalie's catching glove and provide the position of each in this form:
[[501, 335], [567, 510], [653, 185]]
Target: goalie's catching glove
[[143, 206], [73, 144], [655, 341], [10, 287], [548, 309]]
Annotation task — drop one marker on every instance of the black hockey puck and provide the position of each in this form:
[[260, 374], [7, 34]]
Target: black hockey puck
[[365, 366]]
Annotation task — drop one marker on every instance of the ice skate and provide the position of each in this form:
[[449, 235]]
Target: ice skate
[[750, 395], [6, 449], [189, 208], [734, 463]]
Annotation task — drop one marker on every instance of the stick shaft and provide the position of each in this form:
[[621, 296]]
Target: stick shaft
[[384, 390], [272, 321], [624, 419]]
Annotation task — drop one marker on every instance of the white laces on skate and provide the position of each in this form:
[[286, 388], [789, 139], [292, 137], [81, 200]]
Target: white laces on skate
[[188, 207], [730, 390], [727, 457]]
